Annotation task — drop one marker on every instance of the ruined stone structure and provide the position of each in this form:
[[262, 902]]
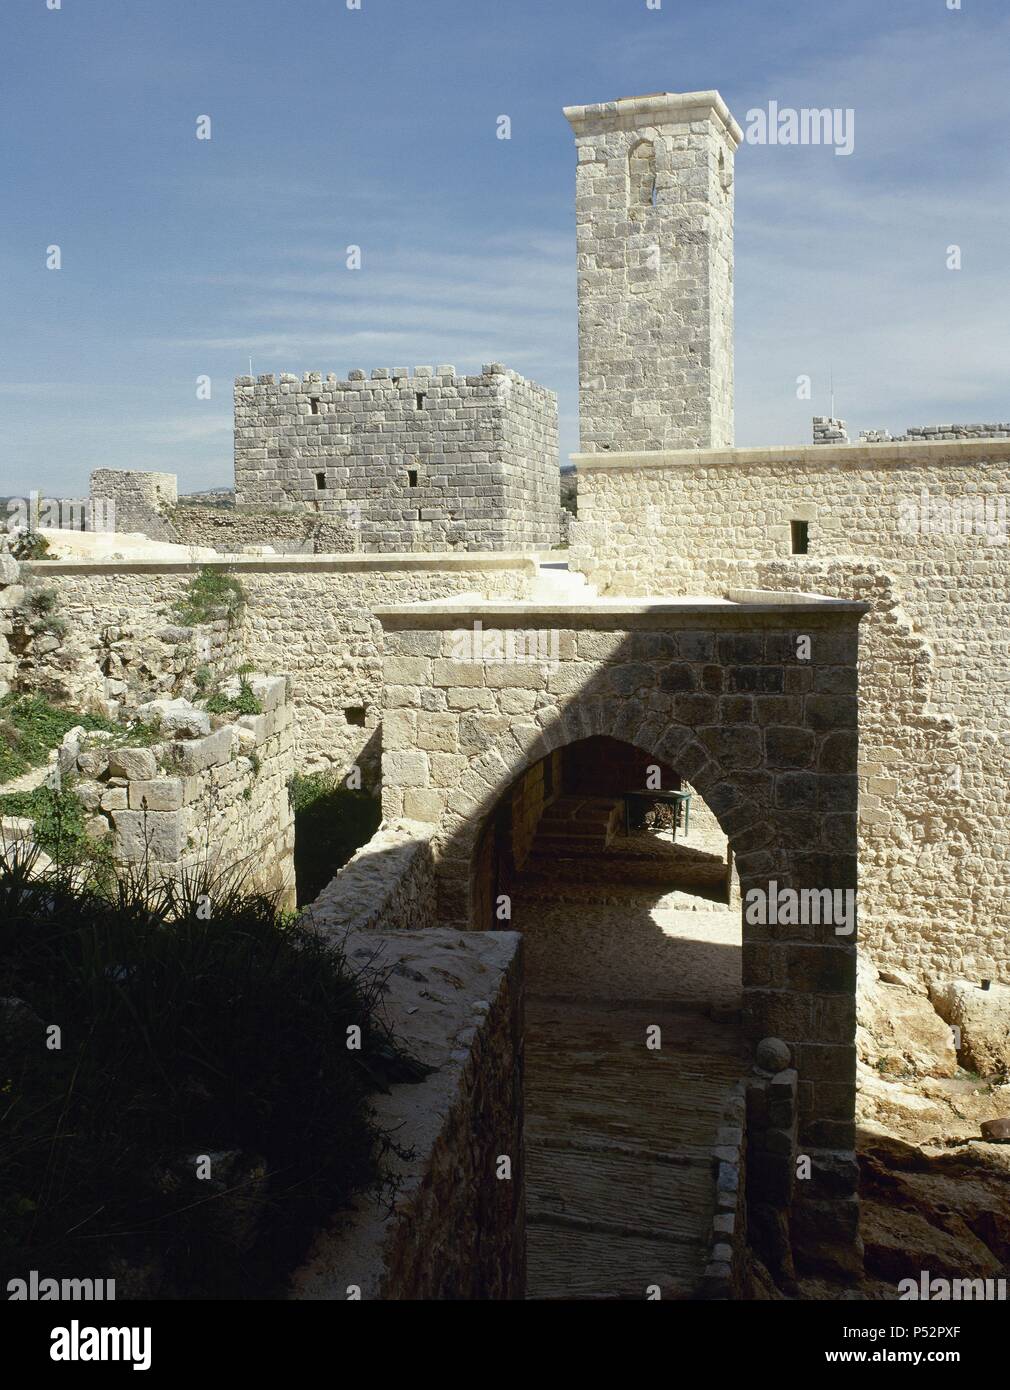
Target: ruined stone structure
[[139, 499], [200, 796], [654, 212], [831, 431]]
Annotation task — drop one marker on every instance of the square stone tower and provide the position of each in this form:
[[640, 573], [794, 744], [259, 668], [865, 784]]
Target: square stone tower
[[654, 207]]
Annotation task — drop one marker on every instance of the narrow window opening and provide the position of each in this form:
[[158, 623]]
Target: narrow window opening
[[654, 194], [419, 516], [642, 175], [412, 477], [725, 177], [419, 397], [800, 537], [320, 482], [355, 714], [314, 404]]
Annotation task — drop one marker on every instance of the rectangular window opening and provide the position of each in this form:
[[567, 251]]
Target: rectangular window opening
[[799, 532], [314, 404], [355, 714], [320, 482], [412, 477], [419, 397]]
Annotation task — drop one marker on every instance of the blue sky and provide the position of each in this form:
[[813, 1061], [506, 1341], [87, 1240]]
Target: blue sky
[[377, 127]]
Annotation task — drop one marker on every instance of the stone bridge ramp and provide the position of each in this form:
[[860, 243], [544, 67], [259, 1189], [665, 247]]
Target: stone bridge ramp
[[619, 1143], [620, 1138]]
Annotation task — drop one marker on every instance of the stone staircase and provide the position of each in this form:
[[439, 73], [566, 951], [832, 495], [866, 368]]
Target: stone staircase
[[555, 583], [576, 826]]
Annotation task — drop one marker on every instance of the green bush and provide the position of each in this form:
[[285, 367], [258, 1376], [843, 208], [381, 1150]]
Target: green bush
[[211, 595], [41, 601], [60, 821], [185, 1031], [29, 545], [331, 822]]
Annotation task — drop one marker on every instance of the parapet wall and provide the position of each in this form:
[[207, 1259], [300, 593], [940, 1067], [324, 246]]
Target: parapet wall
[[454, 1000], [831, 431], [457, 1228], [426, 460], [232, 529], [387, 885], [920, 530]]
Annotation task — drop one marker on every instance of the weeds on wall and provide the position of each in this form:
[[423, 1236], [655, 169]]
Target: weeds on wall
[[331, 822], [31, 727], [181, 1103], [41, 617], [243, 702], [211, 596], [60, 831]]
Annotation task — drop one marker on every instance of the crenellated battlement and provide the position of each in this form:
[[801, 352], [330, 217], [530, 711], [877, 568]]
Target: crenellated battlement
[[388, 379]]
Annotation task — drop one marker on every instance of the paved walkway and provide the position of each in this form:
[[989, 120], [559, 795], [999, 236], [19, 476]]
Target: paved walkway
[[619, 1137]]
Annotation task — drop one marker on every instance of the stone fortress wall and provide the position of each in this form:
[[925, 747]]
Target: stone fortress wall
[[231, 530], [211, 793], [414, 461], [308, 617], [919, 528], [886, 524]]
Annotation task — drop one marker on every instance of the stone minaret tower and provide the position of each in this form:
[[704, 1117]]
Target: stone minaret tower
[[654, 206]]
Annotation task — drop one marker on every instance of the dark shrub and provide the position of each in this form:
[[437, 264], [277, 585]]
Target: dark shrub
[[194, 1020]]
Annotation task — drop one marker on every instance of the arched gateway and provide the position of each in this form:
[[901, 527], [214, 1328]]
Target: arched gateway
[[753, 701]]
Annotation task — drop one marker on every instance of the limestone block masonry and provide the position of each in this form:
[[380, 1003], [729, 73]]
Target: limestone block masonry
[[389, 883], [11, 595], [919, 531], [422, 460], [654, 207], [305, 616], [720, 692]]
